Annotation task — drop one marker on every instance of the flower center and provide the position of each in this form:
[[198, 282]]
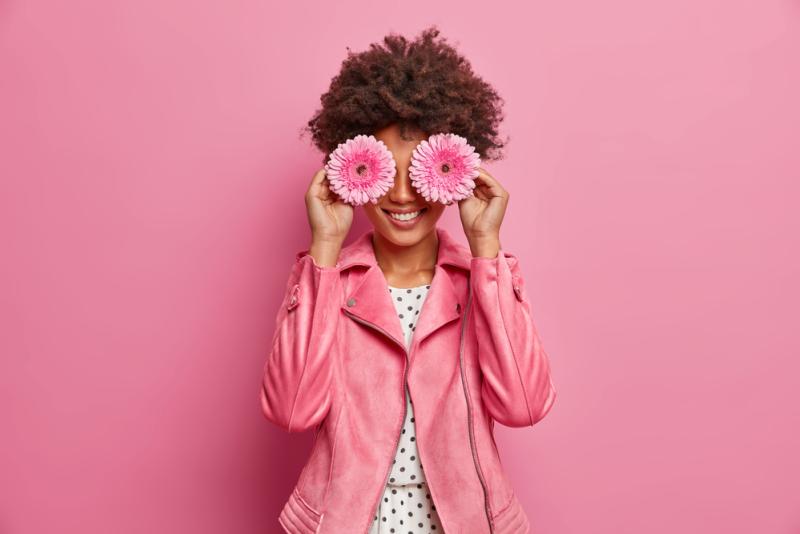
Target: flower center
[[445, 167], [361, 169]]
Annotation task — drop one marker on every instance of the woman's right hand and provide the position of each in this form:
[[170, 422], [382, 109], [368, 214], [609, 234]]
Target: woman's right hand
[[329, 216]]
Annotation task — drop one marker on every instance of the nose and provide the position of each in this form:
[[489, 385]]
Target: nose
[[402, 191]]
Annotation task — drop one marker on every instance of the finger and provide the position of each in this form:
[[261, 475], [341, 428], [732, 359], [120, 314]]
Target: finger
[[486, 179], [483, 190], [319, 177], [320, 185], [488, 183]]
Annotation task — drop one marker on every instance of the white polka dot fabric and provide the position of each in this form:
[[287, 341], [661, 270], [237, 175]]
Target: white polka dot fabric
[[406, 505]]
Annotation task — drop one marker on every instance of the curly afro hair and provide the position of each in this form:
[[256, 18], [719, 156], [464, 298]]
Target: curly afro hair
[[424, 84]]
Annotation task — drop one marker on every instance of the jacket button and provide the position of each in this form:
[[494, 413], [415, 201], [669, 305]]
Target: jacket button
[[518, 293], [351, 302], [294, 299]]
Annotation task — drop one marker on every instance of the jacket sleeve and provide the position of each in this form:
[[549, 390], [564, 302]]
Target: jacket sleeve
[[517, 387], [298, 373]]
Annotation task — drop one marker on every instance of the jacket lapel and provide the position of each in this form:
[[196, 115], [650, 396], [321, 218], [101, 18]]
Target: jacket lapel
[[442, 305], [371, 302]]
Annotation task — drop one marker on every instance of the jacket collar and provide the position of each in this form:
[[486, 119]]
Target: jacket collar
[[369, 299]]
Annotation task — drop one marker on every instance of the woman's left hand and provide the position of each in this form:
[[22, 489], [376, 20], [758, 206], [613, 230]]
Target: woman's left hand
[[482, 214]]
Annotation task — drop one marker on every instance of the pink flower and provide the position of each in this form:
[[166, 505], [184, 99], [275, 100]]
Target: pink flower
[[443, 168], [361, 169]]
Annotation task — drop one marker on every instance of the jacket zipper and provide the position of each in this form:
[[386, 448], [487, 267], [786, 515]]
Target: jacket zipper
[[469, 413], [405, 409]]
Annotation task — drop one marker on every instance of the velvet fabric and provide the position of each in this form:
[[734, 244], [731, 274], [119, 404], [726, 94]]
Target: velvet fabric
[[338, 363]]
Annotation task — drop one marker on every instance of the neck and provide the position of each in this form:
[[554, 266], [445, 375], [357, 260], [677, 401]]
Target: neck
[[407, 265]]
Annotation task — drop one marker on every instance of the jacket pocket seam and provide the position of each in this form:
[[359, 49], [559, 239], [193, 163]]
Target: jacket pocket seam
[[301, 480], [297, 516], [333, 457], [505, 508], [310, 508]]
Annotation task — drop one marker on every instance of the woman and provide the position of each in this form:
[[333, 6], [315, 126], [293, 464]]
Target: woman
[[403, 348]]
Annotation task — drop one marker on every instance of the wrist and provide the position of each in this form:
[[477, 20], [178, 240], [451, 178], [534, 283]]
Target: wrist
[[484, 247], [325, 252]]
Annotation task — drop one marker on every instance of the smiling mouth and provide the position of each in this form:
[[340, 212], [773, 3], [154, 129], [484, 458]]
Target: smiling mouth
[[410, 216]]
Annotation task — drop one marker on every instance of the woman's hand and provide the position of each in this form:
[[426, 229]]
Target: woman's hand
[[330, 219], [482, 214]]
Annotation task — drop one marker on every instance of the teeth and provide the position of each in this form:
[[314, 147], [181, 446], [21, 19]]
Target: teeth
[[404, 216]]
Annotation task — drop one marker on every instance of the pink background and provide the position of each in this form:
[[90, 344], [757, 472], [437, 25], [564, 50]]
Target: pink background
[[151, 205]]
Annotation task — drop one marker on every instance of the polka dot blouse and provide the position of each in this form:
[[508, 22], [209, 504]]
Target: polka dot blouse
[[406, 505]]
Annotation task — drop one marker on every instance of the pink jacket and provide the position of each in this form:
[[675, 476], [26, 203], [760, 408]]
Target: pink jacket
[[338, 364]]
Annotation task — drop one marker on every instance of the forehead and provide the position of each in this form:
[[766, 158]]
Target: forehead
[[391, 136]]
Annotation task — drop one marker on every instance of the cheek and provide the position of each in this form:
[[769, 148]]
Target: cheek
[[436, 211], [372, 212]]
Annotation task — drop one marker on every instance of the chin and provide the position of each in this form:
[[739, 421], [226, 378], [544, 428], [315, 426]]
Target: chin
[[405, 238]]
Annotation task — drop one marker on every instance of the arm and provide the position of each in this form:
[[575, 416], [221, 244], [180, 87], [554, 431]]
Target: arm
[[517, 386], [298, 374]]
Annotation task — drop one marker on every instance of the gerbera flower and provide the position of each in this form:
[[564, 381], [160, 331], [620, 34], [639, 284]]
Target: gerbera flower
[[361, 169], [443, 168]]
